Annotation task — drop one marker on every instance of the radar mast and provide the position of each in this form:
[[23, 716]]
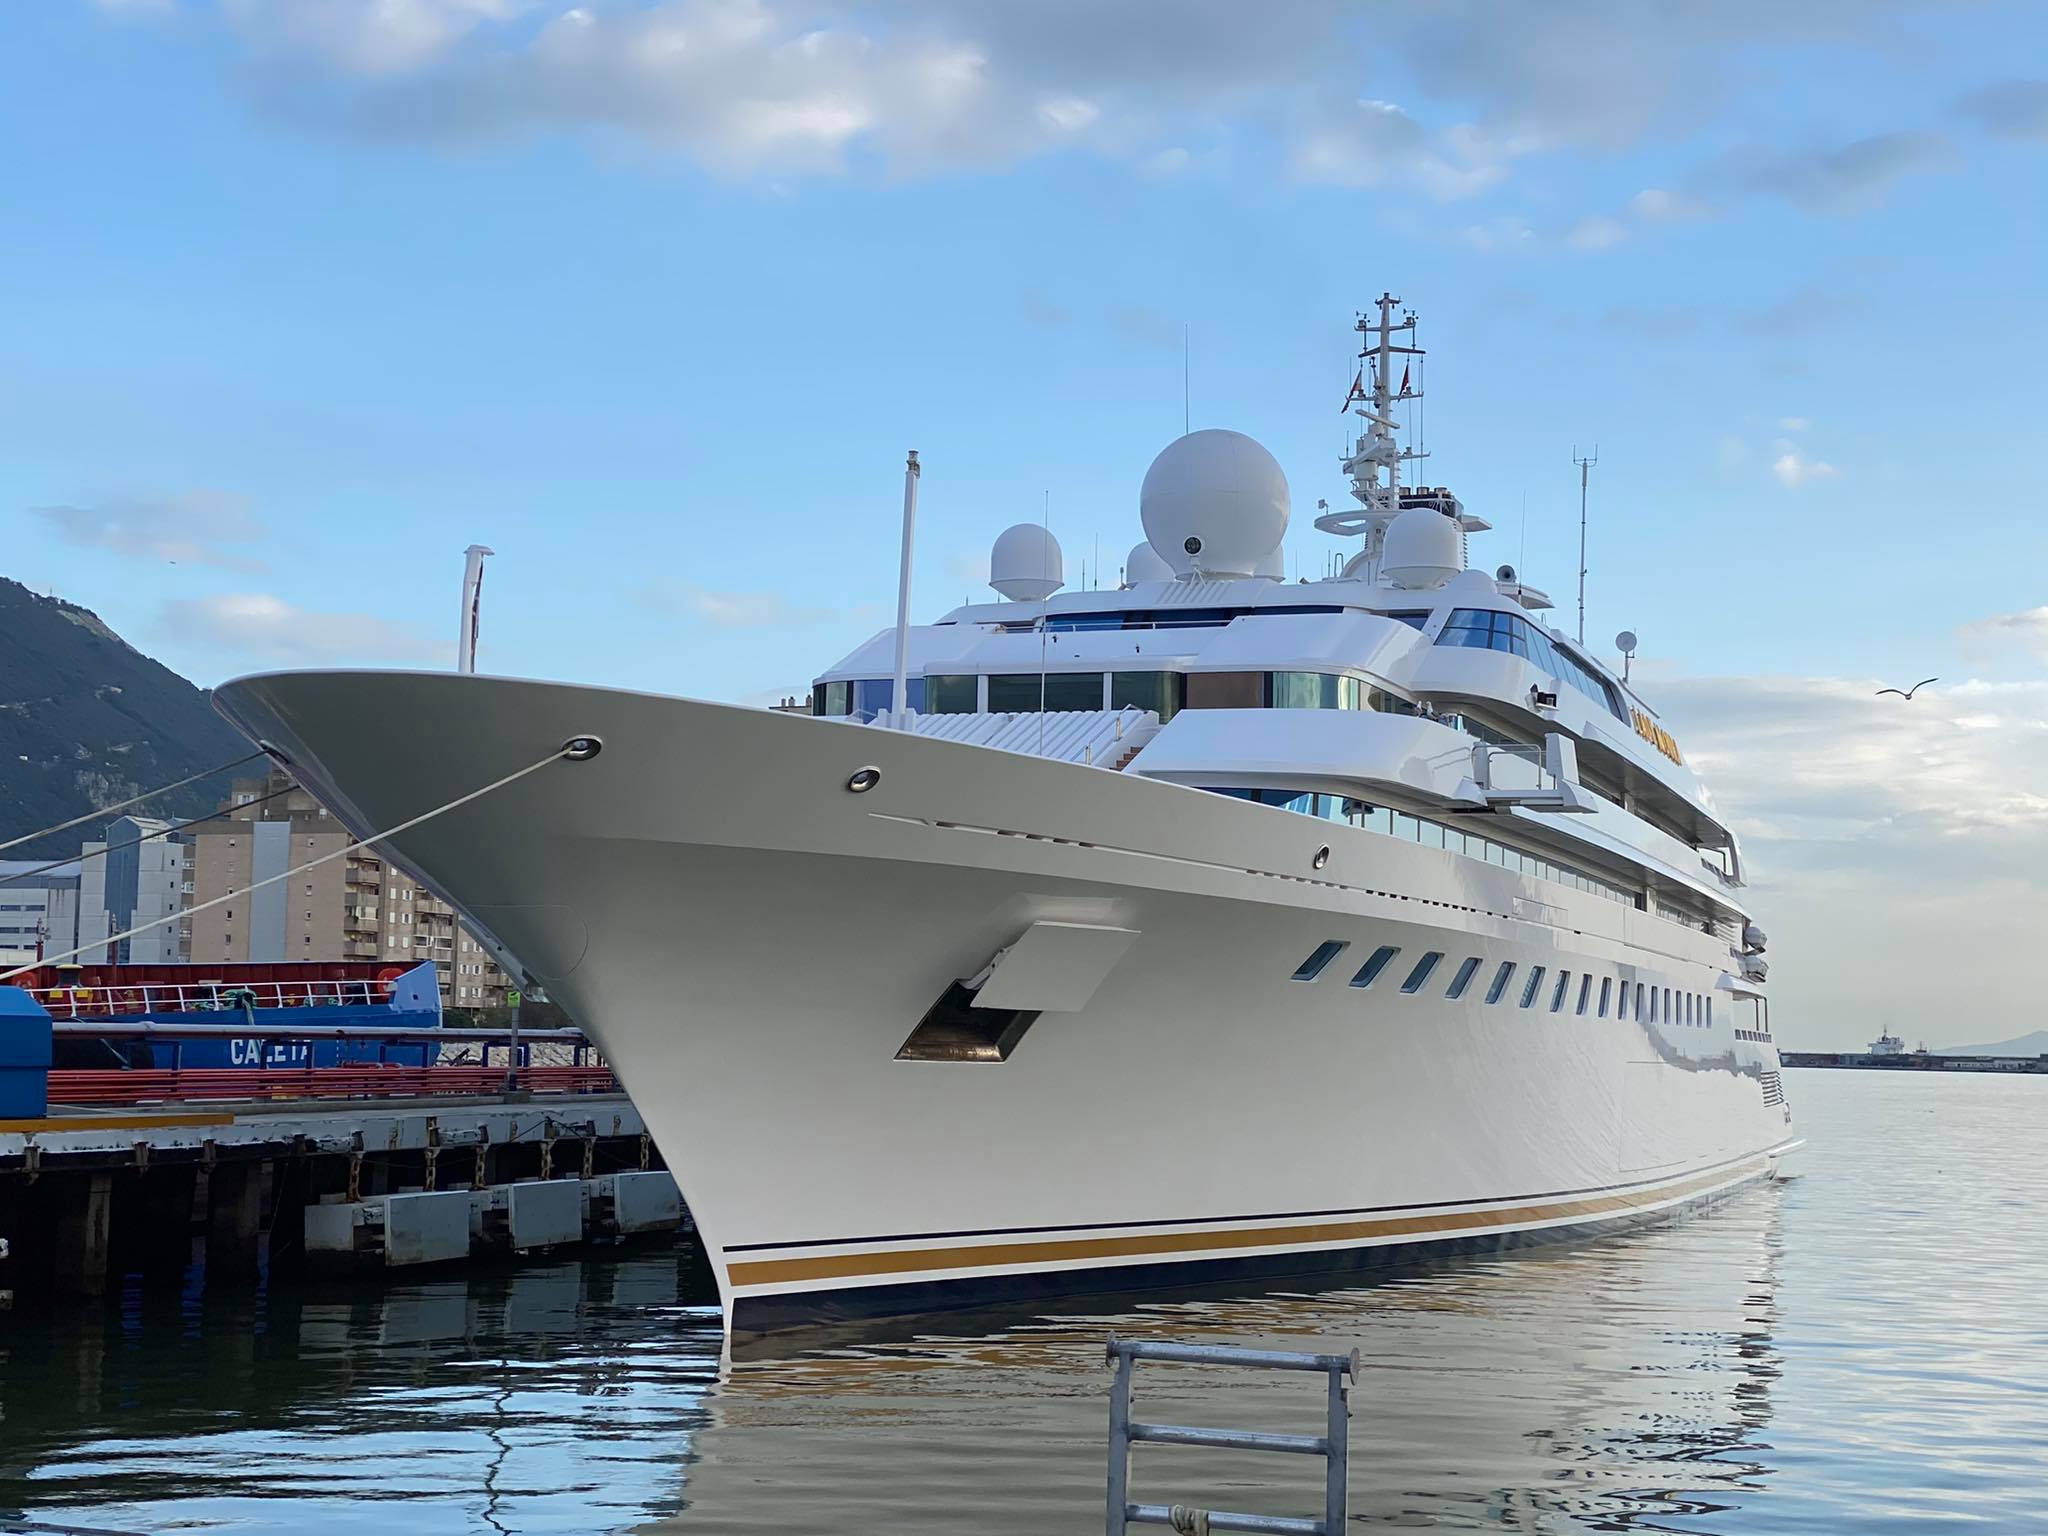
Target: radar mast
[[1378, 447]]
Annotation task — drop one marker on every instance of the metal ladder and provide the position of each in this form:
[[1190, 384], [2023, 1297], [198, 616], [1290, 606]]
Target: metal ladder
[[1334, 1445]]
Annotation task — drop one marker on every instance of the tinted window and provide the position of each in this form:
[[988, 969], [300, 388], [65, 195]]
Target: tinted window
[[1529, 991], [1369, 972], [1463, 979], [1606, 984], [1500, 981], [1021, 692], [1485, 630], [953, 695], [1159, 692], [1585, 994], [1564, 982], [1419, 977], [1324, 953]]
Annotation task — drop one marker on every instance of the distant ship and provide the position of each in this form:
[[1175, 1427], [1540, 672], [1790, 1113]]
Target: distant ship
[[1887, 1044], [1209, 927]]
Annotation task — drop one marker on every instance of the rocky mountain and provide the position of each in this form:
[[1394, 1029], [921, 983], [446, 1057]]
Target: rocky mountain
[[87, 720]]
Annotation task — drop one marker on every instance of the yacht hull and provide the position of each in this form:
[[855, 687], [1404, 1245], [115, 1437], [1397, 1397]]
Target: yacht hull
[[751, 942]]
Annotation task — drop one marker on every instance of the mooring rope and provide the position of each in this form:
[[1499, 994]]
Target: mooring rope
[[108, 810], [577, 748], [136, 842]]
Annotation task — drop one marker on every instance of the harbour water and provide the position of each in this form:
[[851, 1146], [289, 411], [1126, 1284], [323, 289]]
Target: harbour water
[[1860, 1347]]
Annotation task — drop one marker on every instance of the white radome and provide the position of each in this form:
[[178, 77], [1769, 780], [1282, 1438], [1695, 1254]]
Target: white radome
[[1424, 549], [1143, 564], [1026, 563], [1273, 565], [1214, 502]]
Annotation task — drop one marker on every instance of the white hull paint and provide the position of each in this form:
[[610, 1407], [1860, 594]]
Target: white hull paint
[[750, 944]]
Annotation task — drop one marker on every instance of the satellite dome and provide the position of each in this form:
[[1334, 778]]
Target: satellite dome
[[1026, 564], [1143, 564], [1273, 564], [1214, 502], [1423, 549]]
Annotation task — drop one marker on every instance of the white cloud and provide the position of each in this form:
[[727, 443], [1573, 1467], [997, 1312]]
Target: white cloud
[[2027, 629], [741, 610], [1873, 826], [1795, 469], [196, 528], [1659, 205], [1846, 178], [1596, 233], [257, 628], [1793, 424]]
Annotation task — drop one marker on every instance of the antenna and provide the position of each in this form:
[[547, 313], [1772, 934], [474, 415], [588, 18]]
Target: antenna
[[1187, 407], [1585, 465], [472, 604], [1626, 642]]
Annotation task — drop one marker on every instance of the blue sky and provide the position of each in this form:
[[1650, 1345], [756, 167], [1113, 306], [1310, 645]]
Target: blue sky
[[307, 295]]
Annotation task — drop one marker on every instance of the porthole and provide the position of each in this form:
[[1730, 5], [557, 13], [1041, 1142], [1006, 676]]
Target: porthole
[[864, 779]]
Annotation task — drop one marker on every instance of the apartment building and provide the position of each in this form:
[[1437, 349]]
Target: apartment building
[[356, 907]]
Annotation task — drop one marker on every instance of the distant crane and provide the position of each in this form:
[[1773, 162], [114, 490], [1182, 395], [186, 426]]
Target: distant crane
[[1907, 693]]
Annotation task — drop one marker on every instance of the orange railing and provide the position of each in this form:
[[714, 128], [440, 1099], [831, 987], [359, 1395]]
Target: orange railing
[[190, 1084]]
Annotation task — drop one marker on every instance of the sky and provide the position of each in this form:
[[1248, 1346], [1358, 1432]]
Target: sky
[[651, 297]]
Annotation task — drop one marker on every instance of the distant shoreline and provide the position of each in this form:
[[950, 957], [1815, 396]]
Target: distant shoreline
[[1915, 1061]]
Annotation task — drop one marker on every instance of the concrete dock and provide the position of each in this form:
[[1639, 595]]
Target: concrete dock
[[90, 1196]]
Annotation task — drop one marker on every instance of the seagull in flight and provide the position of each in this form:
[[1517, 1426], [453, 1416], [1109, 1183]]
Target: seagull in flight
[[1907, 693]]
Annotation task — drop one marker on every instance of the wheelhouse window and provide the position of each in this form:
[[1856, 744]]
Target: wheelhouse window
[[1484, 629], [872, 696], [832, 698]]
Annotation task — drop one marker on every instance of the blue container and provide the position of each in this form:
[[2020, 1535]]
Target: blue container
[[25, 1037]]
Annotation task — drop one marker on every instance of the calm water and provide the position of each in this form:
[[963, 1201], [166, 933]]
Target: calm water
[[1861, 1348]]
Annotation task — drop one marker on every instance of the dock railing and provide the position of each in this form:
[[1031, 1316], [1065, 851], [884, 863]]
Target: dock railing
[[1333, 1445]]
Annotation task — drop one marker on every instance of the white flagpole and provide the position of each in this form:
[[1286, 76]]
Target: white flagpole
[[899, 701]]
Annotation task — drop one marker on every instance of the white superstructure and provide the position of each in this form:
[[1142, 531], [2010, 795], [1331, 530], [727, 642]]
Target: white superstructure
[[1213, 927]]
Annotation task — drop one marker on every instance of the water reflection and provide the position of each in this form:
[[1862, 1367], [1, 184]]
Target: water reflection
[[557, 1397], [1620, 1385], [1859, 1350]]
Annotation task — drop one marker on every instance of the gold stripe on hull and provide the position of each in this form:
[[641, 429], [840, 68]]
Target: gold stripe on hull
[[1060, 1251]]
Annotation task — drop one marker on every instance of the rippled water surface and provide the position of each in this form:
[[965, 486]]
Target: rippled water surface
[[1863, 1347]]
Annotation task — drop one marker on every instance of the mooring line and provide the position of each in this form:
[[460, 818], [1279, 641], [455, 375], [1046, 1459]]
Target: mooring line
[[135, 842], [105, 810], [576, 749]]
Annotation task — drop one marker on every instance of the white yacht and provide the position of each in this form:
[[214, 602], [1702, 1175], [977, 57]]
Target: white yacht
[[1212, 928]]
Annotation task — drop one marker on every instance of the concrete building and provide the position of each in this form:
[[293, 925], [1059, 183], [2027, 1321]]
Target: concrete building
[[357, 907], [134, 875], [36, 908]]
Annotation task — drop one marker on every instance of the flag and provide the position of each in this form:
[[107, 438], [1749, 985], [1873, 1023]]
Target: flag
[[1404, 380], [1357, 392]]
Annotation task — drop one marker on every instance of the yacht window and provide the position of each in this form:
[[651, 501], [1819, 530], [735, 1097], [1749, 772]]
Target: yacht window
[[1325, 952], [1486, 630], [1419, 977], [1585, 992], [1710, 1013], [952, 695], [1412, 620], [873, 695], [832, 699], [1319, 690], [1606, 985], [1535, 982], [1500, 981], [1369, 972], [1639, 1003], [1463, 979], [1021, 693], [1226, 690], [1667, 1008], [1564, 985], [1159, 692]]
